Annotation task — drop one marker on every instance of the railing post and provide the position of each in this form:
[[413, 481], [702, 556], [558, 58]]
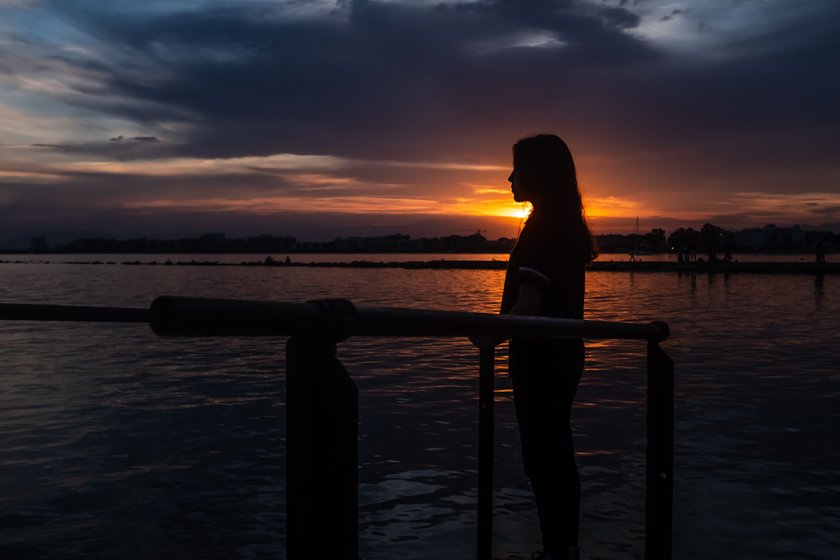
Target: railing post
[[321, 453], [485, 453], [659, 486]]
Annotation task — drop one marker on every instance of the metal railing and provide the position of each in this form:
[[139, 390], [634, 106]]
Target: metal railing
[[322, 399]]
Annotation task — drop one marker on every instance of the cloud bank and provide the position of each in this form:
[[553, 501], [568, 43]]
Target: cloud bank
[[681, 111]]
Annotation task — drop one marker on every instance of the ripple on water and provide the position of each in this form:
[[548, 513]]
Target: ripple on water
[[118, 443]]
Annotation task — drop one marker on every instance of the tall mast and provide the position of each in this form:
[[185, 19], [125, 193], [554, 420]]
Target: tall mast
[[635, 242]]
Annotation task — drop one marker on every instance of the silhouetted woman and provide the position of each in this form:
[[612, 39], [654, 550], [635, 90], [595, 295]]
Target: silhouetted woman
[[545, 276]]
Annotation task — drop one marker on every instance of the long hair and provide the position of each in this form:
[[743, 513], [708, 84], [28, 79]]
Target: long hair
[[545, 164]]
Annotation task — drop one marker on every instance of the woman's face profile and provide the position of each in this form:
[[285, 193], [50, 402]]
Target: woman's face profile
[[519, 191]]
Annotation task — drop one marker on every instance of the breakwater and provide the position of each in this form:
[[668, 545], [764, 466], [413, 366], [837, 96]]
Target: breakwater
[[444, 264]]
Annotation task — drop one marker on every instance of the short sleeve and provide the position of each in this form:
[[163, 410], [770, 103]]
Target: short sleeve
[[533, 275], [543, 257]]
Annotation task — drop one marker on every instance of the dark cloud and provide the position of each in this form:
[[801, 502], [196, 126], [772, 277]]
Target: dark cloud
[[386, 80], [97, 209], [373, 80], [389, 80], [827, 210], [115, 148], [620, 17], [674, 13]]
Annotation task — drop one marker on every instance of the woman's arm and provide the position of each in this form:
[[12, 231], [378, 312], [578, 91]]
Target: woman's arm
[[527, 303], [530, 297]]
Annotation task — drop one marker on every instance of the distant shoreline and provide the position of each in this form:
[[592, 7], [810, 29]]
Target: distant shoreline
[[443, 264]]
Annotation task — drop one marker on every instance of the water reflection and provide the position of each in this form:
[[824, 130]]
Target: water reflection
[[819, 284], [120, 443]]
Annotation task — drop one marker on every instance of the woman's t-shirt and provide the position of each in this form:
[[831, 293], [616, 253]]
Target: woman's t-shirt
[[544, 256]]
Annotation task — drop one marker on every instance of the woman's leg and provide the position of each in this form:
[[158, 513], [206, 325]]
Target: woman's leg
[[545, 377]]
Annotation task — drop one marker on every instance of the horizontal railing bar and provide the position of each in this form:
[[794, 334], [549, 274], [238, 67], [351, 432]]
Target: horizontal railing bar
[[340, 319], [317, 379], [379, 321], [183, 316], [42, 312]]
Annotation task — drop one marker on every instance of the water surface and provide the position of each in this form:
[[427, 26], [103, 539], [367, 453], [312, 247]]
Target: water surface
[[119, 443]]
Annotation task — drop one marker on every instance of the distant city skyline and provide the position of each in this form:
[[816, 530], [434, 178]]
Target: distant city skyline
[[768, 236], [366, 117], [423, 227]]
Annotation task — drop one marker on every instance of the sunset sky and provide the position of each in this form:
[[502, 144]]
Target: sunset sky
[[318, 119]]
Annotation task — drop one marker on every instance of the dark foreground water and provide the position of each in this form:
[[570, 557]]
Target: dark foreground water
[[117, 444]]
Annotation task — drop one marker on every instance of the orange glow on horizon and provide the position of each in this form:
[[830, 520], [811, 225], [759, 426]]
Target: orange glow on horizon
[[326, 184], [511, 209], [611, 207], [460, 206]]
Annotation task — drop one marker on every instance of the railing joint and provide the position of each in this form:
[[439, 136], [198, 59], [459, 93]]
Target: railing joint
[[338, 316]]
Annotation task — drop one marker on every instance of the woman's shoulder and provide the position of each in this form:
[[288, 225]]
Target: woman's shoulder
[[548, 245]]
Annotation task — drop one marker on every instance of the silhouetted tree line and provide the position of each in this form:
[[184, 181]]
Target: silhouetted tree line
[[708, 238], [219, 243], [764, 239], [208, 243], [653, 242], [712, 238]]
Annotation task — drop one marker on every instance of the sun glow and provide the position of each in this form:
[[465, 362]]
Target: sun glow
[[611, 207], [516, 210], [495, 207]]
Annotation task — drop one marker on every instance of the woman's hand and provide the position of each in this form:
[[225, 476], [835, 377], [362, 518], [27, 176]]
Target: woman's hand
[[528, 303]]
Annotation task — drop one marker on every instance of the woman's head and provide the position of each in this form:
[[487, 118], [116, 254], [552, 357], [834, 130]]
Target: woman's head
[[544, 174]]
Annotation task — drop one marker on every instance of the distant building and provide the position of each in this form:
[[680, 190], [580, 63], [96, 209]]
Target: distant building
[[770, 237], [752, 238], [350, 244], [38, 245], [212, 242], [465, 243]]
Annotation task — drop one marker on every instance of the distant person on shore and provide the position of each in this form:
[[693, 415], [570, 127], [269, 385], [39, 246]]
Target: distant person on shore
[[820, 252], [545, 276]]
